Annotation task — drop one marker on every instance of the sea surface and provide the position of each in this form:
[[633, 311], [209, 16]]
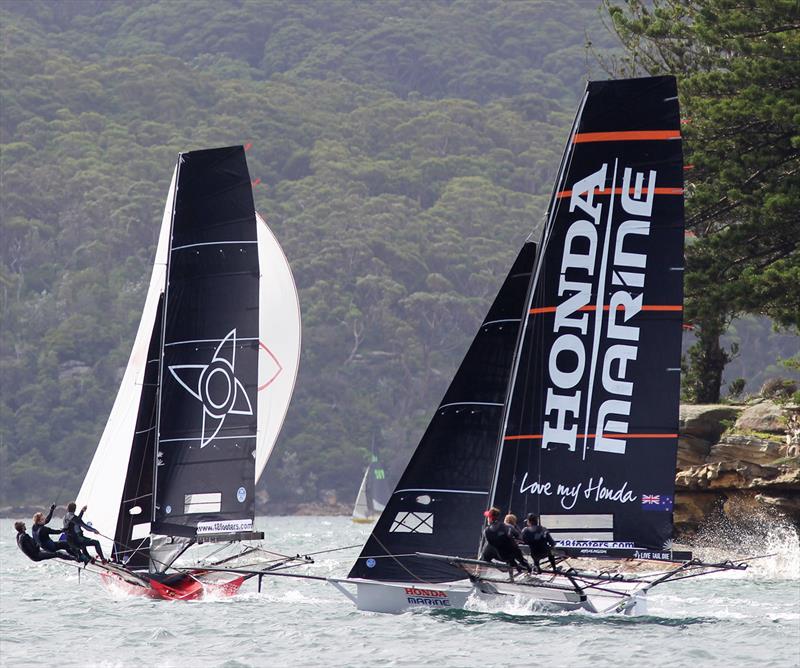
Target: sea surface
[[49, 617]]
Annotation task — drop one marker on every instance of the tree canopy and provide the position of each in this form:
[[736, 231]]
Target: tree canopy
[[737, 62], [403, 152]]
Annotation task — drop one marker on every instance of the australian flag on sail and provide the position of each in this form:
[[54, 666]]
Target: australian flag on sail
[[657, 502]]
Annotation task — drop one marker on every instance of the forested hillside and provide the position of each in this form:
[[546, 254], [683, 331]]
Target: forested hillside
[[402, 152]]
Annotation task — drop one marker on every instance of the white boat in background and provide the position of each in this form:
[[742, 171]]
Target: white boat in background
[[372, 494], [566, 403], [206, 388]]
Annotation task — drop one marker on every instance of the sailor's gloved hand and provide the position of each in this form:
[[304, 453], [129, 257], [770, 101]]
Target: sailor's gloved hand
[[52, 506]]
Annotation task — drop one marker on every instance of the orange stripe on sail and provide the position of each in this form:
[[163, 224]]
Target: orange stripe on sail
[[618, 191], [538, 437], [620, 307], [626, 135]]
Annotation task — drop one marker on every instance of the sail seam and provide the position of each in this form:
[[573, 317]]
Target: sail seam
[[199, 438], [523, 437], [493, 322], [238, 338], [451, 491], [618, 191], [471, 403], [212, 243], [620, 307], [626, 135]]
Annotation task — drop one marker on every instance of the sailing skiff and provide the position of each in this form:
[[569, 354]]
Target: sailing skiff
[[372, 493], [204, 394], [566, 403]]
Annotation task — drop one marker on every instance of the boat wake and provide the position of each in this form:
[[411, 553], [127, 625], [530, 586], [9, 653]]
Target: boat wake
[[519, 613]]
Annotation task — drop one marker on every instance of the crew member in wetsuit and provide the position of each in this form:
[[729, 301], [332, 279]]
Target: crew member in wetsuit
[[31, 550], [73, 528], [41, 533], [500, 543], [511, 522], [540, 541]]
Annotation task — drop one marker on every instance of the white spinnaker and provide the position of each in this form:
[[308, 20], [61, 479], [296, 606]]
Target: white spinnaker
[[279, 341], [102, 487]]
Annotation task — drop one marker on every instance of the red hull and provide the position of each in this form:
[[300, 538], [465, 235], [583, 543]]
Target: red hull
[[188, 588]]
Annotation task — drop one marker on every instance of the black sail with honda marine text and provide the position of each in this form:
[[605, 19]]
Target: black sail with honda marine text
[[591, 434], [438, 503], [205, 467]]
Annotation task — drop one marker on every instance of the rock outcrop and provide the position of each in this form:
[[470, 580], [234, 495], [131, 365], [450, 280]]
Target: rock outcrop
[[765, 416], [736, 461]]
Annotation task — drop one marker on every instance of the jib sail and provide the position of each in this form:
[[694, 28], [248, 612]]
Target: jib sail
[[590, 438], [438, 502], [207, 416], [107, 489]]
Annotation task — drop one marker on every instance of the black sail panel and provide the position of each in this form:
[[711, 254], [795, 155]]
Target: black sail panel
[[205, 470], [132, 535], [438, 503], [591, 435]]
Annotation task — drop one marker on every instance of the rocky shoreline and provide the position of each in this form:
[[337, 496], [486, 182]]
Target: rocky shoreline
[[737, 463]]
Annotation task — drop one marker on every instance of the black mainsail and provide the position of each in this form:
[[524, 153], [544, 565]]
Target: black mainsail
[[570, 410], [437, 504], [590, 439], [205, 468]]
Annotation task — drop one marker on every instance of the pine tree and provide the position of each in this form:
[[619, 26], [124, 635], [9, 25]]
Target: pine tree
[[738, 67]]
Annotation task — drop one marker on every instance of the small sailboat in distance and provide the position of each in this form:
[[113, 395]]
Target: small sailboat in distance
[[372, 494], [566, 404], [205, 392]]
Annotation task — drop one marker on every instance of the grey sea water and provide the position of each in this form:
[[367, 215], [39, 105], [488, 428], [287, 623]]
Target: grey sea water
[[48, 617]]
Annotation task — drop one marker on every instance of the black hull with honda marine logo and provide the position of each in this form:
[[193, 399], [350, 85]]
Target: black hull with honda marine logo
[[566, 404]]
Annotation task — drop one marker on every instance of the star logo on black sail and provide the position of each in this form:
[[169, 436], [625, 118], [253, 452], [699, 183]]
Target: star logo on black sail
[[216, 386]]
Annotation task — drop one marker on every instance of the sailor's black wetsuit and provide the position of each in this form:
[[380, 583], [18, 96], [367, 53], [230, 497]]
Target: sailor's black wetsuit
[[500, 545], [31, 550], [540, 541], [73, 528], [42, 533]]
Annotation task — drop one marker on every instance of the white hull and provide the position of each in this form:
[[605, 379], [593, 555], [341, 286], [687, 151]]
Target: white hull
[[398, 597]]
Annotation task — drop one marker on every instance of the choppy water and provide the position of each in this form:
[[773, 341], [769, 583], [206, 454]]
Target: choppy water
[[730, 620]]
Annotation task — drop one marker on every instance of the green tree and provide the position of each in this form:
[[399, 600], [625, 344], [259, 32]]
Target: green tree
[[739, 81]]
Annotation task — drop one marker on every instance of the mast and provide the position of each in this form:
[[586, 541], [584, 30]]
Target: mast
[[163, 304]]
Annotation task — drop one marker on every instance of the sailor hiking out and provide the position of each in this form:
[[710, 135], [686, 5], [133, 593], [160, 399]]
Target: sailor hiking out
[[539, 540], [501, 544], [41, 533], [31, 550], [73, 528]]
